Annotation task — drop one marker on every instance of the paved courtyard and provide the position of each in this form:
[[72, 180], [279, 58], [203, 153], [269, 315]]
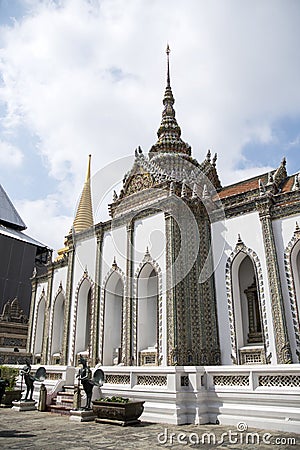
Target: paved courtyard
[[35, 430]]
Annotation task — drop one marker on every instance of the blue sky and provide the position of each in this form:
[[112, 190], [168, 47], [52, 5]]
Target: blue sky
[[80, 77]]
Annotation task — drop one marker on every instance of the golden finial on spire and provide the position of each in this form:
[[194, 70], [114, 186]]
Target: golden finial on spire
[[88, 173]]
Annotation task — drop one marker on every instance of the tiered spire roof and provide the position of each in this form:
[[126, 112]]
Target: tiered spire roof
[[169, 132]]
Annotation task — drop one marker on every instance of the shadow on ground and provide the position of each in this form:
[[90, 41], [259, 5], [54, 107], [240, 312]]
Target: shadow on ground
[[15, 433]]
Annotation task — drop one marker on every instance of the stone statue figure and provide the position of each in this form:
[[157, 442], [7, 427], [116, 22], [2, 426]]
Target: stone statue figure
[[29, 380], [85, 377]]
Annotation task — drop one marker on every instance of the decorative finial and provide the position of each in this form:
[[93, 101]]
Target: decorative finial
[[205, 193], [208, 155], [297, 229], [114, 264], [168, 65], [261, 187], [296, 184], [172, 188], [214, 159], [270, 179], [115, 196], [183, 190], [239, 241], [195, 191]]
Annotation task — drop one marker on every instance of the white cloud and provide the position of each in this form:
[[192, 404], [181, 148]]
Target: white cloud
[[88, 77], [44, 221], [10, 156]]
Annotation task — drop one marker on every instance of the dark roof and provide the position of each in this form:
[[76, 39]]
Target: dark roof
[[17, 234], [8, 213]]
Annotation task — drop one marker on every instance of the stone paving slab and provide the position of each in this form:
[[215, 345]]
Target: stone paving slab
[[43, 431]]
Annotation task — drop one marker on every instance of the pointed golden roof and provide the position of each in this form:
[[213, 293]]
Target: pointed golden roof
[[84, 215]]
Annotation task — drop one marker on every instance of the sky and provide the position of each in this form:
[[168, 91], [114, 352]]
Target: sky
[[80, 77]]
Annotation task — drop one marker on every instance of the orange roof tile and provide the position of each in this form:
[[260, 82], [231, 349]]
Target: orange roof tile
[[243, 186]]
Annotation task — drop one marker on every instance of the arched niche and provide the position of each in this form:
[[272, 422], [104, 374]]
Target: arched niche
[[248, 321], [113, 313], [147, 315], [83, 319], [57, 327], [292, 270], [295, 263], [40, 322], [246, 307]]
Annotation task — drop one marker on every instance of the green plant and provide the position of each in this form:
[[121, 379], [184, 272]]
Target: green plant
[[10, 375], [114, 399]]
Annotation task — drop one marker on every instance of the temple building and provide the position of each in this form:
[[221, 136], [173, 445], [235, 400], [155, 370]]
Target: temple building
[[20, 256], [187, 272]]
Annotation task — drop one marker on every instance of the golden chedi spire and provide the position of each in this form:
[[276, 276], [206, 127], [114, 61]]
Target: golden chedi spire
[[84, 214]]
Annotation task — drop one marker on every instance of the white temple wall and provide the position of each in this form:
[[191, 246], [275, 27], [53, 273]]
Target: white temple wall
[[150, 232], [59, 277], [114, 246], [248, 226], [84, 259], [283, 233]]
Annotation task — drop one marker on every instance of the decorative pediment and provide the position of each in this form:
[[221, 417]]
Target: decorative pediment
[[138, 180]]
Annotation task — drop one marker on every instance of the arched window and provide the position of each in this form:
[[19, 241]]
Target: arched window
[[83, 320], [147, 312], [40, 321], [247, 311], [292, 267], [113, 311], [295, 263], [57, 328]]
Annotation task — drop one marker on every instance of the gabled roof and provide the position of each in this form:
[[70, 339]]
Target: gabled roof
[[8, 213]]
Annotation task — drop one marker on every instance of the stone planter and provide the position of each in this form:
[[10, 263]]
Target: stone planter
[[118, 413], [11, 396]]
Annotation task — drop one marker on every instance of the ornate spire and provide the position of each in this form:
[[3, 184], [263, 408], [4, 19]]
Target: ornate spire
[[84, 214], [169, 132]]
